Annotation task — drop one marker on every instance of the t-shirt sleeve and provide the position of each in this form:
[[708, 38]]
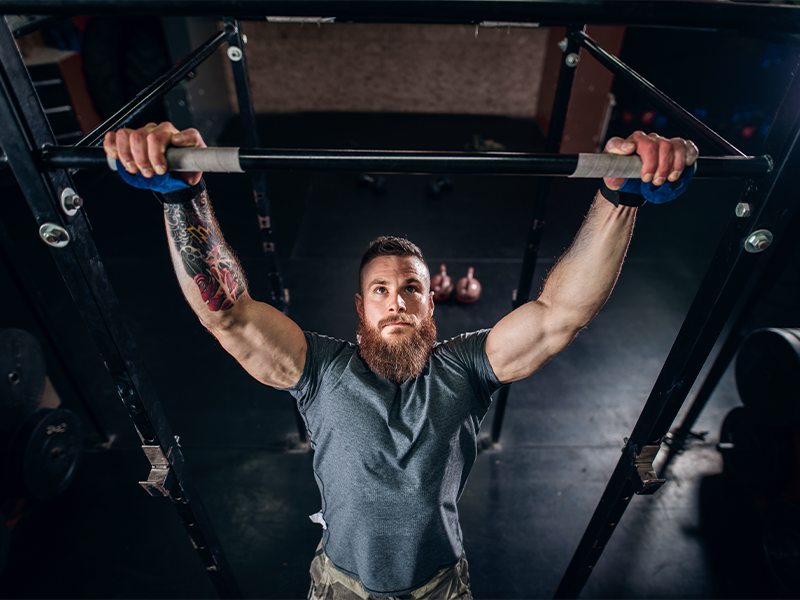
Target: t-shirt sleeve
[[470, 350], [320, 353]]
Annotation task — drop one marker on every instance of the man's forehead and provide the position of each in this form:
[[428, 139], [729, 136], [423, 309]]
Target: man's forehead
[[381, 267]]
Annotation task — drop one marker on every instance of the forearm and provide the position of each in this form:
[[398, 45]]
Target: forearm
[[581, 282], [209, 274]]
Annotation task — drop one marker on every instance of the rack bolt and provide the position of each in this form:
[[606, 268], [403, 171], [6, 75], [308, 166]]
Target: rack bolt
[[758, 241], [70, 201], [743, 209], [572, 59], [235, 53], [563, 45], [244, 39], [54, 235]]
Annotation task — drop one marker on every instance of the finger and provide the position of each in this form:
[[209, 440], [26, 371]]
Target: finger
[[691, 153], [124, 151], [157, 142], [617, 145], [110, 144], [188, 138], [614, 183], [678, 159], [647, 149], [665, 159], [138, 145]]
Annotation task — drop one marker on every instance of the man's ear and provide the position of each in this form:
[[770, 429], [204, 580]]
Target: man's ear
[[430, 302], [360, 306]]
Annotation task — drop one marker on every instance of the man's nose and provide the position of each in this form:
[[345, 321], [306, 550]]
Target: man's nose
[[398, 304]]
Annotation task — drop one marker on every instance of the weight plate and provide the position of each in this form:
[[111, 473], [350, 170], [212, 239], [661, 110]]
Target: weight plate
[[22, 372], [756, 455], [768, 375], [45, 452]]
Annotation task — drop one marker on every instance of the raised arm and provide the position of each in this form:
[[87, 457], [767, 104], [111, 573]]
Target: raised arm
[[581, 282], [269, 345]]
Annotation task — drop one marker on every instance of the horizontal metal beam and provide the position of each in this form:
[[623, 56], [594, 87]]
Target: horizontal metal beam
[[228, 160], [703, 14]]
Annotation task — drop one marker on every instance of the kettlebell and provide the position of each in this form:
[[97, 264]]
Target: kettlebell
[[441, 284], [468, 289]]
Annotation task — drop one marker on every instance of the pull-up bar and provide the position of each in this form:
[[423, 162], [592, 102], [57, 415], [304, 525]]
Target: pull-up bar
[[241, 160]]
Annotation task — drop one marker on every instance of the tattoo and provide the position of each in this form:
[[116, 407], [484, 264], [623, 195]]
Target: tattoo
[[207, 259]]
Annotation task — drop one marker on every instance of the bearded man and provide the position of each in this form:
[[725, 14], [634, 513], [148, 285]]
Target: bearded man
[[393, 420]]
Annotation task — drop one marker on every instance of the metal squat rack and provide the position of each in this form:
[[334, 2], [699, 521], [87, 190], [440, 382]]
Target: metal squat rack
[[764, 214]]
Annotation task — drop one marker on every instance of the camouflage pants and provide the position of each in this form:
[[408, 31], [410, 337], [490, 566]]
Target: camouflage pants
[[328, 583]]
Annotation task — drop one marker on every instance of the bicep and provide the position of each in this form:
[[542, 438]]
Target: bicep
[[524, 341], [268, 344]]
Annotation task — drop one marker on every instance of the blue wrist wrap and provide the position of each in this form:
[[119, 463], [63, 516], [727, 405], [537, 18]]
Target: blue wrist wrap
[[158, 183], [659, 194]]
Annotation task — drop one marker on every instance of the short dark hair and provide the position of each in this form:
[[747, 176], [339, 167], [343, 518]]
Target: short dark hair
[[389, 245]]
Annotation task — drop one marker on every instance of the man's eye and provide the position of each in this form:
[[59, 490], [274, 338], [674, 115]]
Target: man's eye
[[380, 290], [412, 289]]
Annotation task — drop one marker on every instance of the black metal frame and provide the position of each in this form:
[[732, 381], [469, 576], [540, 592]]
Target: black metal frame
[[770, 199], [700, 14]]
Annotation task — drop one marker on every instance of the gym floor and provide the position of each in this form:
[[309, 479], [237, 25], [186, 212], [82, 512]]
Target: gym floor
[[527, 501]]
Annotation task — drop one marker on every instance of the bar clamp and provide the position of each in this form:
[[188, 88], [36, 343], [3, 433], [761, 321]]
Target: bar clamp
[[161, 481], [644, 478]]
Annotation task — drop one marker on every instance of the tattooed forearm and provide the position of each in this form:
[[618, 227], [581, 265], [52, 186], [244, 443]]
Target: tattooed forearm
[[205, 256]]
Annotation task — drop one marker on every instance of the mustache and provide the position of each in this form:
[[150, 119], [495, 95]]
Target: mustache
[[398, 318]]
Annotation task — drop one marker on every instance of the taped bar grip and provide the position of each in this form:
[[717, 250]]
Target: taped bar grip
[[607, 165], [210, 160]]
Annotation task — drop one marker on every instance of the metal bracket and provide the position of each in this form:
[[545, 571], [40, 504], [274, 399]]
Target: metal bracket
[[644, 479], [160, 480]]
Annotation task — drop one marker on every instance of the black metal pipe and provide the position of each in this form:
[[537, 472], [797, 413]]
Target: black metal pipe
[[156, 90], [555, 131], [389, 161], [687, 121], [705, 14]]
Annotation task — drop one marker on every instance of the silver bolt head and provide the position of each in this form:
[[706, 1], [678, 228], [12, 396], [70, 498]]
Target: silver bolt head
[[73, 201], [54, 235], [563, 45], [743, 209], [572, 59], [758, 241], [244, 39], [235, 53]]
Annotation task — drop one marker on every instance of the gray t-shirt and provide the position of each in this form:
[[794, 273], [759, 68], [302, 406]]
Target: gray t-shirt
[[391, 461]]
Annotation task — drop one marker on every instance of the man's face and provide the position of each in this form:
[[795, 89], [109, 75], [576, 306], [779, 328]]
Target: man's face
[[397, 332], [395, 295]]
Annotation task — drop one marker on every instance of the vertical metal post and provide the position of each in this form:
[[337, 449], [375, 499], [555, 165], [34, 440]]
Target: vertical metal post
[[773, 199], [279, 296], [24, 132], [555, 131], [238, 59]]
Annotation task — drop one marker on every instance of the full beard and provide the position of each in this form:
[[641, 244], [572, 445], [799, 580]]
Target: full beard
[[402, 358]]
